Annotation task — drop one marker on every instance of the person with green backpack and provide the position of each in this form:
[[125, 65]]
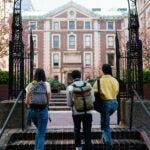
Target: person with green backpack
[[80, 98]]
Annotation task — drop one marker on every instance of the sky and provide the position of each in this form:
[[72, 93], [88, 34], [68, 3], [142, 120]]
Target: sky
[[103, 4]]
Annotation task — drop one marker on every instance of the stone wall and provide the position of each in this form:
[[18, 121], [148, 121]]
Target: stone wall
[[16, 119], [140, 117], [3, 92]]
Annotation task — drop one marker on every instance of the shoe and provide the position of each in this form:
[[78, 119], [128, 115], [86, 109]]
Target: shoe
[[78, 148]]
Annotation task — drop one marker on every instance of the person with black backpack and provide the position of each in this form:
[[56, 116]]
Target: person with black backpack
[[38, 94], [80, 98]]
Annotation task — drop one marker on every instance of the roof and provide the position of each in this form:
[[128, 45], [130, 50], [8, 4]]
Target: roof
[[36, 14]]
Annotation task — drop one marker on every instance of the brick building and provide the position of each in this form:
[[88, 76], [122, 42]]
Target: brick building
[[144, 20], [73, 37]]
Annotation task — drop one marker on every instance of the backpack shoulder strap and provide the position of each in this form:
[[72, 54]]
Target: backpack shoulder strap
[[98, 84]]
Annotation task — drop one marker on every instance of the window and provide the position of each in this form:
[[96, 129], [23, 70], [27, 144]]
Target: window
[[110, 59], [110, 41], [71, 13], [87, 25], [71, 42], [55, 41], [33, 25], [87, 41], [55, 25], [87, 59], [35, 63], [35, 40], [71, 24], [110, 26], [56, 61]]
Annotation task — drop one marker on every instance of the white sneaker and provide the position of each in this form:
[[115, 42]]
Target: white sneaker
[[78, 148]]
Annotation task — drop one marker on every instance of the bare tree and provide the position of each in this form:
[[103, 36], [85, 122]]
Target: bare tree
[[4, 40], [146, 53]]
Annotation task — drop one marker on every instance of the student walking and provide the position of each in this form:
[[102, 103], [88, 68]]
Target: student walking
[[109, 88], [38, 94], [84, 117]]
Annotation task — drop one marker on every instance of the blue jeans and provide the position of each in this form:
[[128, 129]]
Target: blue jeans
[[109, 107], [86, 120], [40, 118]]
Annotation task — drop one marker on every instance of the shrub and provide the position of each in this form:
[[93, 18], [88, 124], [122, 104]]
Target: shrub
[[146, 76], [4, 77], [55, 85]]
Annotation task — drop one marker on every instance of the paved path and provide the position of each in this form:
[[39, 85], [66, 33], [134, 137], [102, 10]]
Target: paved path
[[64, 119]]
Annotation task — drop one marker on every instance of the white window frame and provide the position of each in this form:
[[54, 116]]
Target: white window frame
[[71, 15], [84, 42], [107, 41], [34, 40], [85, 25], [68, 44], [59, 61], [56, 27], [91, 58], [35, 25], [59, 42], [112, 23], [69, 24], [35, 63], [108, 60]]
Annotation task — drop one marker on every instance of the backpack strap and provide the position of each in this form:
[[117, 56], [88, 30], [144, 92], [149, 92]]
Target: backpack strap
[[98, 85], [83, 97]]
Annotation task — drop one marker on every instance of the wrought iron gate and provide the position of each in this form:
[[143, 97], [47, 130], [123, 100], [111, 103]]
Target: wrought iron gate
[[129, 67], [17, 56]]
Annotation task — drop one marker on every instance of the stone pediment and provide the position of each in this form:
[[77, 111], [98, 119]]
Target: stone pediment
[[79, 10]]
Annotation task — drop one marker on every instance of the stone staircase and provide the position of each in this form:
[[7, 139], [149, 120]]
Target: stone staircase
[[58, 102], [62, 139]]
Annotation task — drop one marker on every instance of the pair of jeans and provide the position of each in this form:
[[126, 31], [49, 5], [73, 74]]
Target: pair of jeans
[[108, 108], [86, 121], [40, 118]]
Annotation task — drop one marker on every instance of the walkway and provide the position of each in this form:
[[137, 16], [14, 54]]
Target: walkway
[[63, 119]]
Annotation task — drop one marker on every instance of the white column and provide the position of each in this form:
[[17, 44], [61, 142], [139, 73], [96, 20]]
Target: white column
[[97, 48], [46, 49]]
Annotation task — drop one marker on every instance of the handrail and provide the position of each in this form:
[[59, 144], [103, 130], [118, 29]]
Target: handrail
[[10, 113], [143, 105]]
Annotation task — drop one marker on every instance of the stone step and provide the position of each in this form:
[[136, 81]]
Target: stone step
[[63, 138], [67, 133], [68, 144], [57, 95], [58, 100], [58, 103], [59, 108]]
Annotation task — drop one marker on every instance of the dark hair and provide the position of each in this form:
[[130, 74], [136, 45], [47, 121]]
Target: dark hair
[[106, 68], [76, 74], [39, 75]]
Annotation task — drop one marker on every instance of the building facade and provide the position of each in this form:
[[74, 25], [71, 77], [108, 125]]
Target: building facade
[[144, 20], [73, 37]]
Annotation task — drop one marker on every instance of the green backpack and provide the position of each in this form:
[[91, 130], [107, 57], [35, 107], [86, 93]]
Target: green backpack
[[82, 98]]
